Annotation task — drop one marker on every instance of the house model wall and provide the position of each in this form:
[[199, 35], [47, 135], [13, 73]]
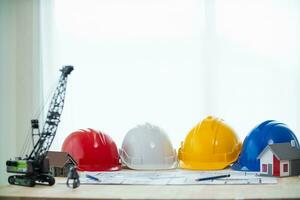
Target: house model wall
[[270, 165], [60, 163], [280, 159]]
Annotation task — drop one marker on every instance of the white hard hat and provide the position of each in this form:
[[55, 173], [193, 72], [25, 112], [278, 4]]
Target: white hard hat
[[148, 147]]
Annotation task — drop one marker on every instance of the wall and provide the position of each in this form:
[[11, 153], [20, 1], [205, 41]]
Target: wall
[[267, 158], [19, 75], [295, 167], [282, 162], [7, 84]]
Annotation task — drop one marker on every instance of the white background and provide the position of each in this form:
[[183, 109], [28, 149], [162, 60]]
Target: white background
[[172, 63]]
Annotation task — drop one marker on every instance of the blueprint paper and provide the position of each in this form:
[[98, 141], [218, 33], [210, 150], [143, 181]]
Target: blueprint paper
[[174, 177]]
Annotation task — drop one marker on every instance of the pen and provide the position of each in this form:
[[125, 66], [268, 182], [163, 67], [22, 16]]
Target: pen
[[212, 177], [92, 177]]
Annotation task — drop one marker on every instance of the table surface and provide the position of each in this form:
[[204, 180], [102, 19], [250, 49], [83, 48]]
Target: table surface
[[286, 188]]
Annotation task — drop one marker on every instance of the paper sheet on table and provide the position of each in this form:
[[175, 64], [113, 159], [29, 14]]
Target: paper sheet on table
[[174, 177]]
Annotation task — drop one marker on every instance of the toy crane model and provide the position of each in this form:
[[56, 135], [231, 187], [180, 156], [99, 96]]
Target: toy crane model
[[35, 167]]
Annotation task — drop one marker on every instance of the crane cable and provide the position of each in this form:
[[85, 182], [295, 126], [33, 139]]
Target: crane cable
[[28, 144]]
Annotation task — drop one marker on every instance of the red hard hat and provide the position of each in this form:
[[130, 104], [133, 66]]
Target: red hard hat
[[92, 150]]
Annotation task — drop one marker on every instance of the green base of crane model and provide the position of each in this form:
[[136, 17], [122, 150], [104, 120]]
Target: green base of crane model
[[29, 176], [31, 180]]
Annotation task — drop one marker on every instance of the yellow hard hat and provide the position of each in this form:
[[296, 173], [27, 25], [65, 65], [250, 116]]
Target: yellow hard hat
[[210, 145]]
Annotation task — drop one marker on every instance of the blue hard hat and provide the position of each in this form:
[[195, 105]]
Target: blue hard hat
[[268, 132]]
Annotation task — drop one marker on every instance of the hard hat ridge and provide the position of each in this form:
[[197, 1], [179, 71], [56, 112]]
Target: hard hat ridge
[[210, 145], [93, 150], [265, 133], [148, 146]]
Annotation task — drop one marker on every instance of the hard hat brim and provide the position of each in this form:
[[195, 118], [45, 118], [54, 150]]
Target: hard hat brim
[[99, 168]]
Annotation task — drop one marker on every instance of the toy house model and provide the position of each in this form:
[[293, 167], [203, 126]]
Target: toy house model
[[281, 159], [60, 162]]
